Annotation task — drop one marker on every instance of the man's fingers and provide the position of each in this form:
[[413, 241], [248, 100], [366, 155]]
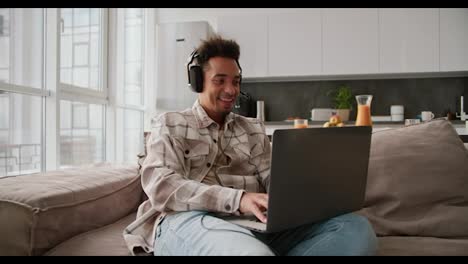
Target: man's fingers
[[262, 200], [256, 211]]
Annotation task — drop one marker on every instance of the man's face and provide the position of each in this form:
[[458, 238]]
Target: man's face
[[221, 86]]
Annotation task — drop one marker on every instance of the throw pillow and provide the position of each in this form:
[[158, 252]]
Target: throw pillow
[[418, 181]]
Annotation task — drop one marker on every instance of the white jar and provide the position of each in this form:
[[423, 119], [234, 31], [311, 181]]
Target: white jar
[[397, 110], [397, 117]]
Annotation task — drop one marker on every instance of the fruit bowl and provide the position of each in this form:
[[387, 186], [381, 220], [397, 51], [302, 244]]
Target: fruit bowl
[[334, 121]]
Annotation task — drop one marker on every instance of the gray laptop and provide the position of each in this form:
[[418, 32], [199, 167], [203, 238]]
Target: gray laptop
[[316, 173]]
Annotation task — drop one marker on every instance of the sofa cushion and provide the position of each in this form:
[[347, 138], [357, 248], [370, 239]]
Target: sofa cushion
[[418, 181], [422, 246], [104, 241], [38, 211]]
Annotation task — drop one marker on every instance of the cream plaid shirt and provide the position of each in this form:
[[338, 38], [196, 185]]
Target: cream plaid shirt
[[182, 150]]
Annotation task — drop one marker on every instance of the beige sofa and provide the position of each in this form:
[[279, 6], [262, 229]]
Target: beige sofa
[[84, 211], [69, 212]]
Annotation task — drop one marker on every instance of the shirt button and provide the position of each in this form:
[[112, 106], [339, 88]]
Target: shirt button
[[187, 151], [227, 207], [208, 164], [214, 140]]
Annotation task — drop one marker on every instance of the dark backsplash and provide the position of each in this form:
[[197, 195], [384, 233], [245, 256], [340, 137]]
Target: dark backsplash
[[287, 99]]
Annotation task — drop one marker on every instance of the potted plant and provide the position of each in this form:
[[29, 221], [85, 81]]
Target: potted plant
[[343, 101]]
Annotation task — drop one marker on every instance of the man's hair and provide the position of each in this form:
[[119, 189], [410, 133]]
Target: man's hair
[[216, 46]]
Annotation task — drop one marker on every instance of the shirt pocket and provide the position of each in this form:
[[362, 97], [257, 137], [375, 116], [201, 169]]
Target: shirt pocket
[[195, 153]]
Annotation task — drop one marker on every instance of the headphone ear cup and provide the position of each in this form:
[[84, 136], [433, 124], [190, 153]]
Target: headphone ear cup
[[196, 79]]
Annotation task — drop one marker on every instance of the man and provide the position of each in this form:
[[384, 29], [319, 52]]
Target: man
[[207, 161]]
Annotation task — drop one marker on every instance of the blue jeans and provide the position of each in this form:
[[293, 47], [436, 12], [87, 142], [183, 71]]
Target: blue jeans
[[200, 233]]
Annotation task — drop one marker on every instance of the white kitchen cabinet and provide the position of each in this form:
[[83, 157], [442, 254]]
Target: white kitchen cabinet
[[409, 40], [251, 33], [454, 39], [350, 40], [295, 43]]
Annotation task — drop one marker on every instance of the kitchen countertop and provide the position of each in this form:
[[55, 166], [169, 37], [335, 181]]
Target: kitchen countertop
[[455, 122], [280, 123], [271, 126]]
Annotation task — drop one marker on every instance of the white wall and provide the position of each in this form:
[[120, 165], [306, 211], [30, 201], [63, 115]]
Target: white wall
[[170, 15]]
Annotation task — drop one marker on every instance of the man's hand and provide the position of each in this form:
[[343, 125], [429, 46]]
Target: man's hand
[[255, 203]]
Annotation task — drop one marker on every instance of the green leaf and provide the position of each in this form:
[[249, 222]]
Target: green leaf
[[342, 97]]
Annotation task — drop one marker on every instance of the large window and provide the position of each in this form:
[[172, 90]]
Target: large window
[[130, 83], [61, 105], [21, 93]]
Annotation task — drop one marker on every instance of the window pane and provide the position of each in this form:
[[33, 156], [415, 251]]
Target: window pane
[[66, 74], [4, 111], [132, 94], [94, 76], [133, 84], [21, 53], [81, 17], [20, 134], [134, 13], [133, 134], [81, 53], [81, 76], [133, 42], [95, 16], [4, 58], [81, 133], [94, 51], [81, 47], [4, 21], [129, 88], [67, 19], [130, 138], [66, 52], [80, 116], [133, 28]]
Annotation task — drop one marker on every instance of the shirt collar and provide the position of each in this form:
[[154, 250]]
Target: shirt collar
[[204, 120]]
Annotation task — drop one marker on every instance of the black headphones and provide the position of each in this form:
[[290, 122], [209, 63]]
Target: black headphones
[[195, 73]]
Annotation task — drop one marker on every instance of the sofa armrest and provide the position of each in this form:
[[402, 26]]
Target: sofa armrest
[[38, 211]]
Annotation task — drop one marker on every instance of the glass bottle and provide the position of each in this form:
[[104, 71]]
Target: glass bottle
[[364, 110]]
